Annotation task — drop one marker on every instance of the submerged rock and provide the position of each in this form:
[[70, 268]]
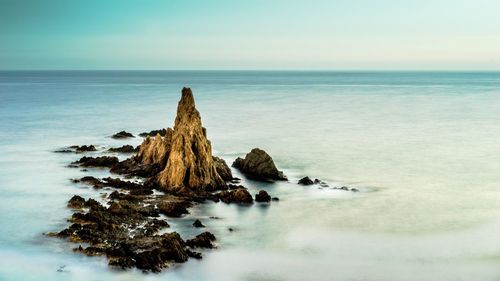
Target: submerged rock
[[305, 181], [262, 196], [259, 165], [122, 135]]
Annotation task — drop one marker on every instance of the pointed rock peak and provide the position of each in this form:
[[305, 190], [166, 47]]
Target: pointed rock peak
[[184, 153], [186, 103]]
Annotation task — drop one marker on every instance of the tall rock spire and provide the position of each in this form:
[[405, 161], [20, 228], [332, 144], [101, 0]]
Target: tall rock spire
[[189, 161]]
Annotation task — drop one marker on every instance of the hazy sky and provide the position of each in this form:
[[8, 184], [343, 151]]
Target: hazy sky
[[253, 34]]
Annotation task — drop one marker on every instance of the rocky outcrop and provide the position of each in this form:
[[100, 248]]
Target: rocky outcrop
[[185, 151], [259, 165]]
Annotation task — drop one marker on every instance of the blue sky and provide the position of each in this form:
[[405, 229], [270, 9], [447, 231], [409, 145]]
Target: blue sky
[[252, 34]]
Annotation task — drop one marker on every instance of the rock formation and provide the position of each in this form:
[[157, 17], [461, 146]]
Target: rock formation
[[184, 152], [259, 165]]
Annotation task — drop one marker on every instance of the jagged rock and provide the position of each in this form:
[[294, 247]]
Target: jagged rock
[[259, 165], [197, 223], [306, 181], [161, 132], [124, 149], [223, 169], [203, 240], [122, 135], [102, 161], [240, 195], [189, 161], [262, 196]]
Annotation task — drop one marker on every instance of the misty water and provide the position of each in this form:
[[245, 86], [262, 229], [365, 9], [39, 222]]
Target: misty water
[[422, 148]]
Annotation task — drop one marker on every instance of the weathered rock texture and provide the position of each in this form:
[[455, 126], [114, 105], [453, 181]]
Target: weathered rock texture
[[185, 152], [259, 165]]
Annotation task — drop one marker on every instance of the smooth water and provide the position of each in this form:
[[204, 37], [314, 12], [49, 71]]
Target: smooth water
[[421, 146]]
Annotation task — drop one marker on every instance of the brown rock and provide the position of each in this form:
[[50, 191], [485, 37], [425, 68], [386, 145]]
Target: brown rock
[[185, 150], [223, 169]]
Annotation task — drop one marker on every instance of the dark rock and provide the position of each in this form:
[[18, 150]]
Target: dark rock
[[239, 195], [122, 135], [262, 196], [344, 188], [306, 181], [161, 132], [259, 165], [275, 199], [96, 183], [124, 149], [102, 161], [203, 240], [197, 223], [354, 189], [76, 202]]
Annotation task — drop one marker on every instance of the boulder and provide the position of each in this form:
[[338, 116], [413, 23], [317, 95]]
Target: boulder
[[259, 165], [306, 181], [262, 196]]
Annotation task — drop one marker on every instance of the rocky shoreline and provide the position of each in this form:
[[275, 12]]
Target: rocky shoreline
[[171, 171]]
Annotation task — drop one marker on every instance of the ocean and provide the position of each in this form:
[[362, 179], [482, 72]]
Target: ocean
[[422, 148]]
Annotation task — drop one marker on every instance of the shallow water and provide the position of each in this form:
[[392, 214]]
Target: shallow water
[[421, 147]]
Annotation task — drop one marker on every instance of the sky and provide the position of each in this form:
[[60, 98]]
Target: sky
[[250, 34]]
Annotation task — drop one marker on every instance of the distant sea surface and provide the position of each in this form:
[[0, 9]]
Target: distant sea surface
[[423, 148]]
